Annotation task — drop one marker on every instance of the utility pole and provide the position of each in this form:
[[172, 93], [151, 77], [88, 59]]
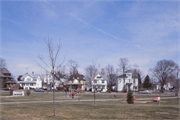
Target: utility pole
[[47, 80], [177, 82]]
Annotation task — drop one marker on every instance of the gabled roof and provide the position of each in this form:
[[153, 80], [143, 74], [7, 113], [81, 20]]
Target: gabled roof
[[81, 77], [3, 73], [122, 76], [5, 70], [34, 76], [100, 75]]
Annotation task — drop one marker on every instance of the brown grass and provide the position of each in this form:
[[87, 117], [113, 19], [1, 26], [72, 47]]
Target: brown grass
[[86, 110]]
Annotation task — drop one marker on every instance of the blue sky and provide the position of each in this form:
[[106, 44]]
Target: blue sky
[[143, 32]]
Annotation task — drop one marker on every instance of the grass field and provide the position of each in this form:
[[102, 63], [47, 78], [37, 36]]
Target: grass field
[[169, 108]]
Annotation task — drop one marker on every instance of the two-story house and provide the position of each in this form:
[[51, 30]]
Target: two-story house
[[167, 86], [5, 76], [99, 83], [31, 81], [126, 79], [76, 81], [58, 82]]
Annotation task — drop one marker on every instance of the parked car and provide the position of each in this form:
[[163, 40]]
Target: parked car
[[74, 90], [171, 90], [6, 89], [38, 90], [145, 92], [161, 90]]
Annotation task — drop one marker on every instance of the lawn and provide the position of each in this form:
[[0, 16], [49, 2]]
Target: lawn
[[59, 96], [168, 109]]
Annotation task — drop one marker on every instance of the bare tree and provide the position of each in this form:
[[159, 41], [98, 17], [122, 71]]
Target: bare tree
[[90, 71], [123, 66], [52, 66], [73, 67], [103, 71], [94, 73], [2, 63], [112, 76], [137, 73], [163, 70]]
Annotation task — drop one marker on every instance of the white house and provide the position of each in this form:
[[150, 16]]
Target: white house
[[58, 82], [100, 83], [31, 81], [166, 86], [129, 79]]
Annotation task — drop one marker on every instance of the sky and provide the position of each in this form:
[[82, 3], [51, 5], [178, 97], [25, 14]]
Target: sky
[[145, 32]]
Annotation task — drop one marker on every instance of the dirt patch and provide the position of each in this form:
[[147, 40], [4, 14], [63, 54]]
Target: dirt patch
[[162, 113]]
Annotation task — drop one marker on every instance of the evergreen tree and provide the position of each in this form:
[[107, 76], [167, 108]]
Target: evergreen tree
[[139, 81], [147, 84], [130, 99]]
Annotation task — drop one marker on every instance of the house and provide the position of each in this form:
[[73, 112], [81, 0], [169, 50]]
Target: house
[[100, 83], [167, 86], [126, 79], [76, 81], [5, 76], [12, 84], [59, 83], [33, 81], [19, 78]]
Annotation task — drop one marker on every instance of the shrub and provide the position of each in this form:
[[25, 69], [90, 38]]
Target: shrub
[[130, 99], [11, 91], [28, 92]]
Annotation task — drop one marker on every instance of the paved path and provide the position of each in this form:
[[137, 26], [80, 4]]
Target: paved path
[[78, 100]]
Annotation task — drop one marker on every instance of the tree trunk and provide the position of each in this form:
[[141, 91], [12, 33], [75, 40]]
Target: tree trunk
[[54, 102], [94, 97]]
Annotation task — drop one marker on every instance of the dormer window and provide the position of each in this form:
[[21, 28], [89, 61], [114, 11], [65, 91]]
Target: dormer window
[[99, 77]]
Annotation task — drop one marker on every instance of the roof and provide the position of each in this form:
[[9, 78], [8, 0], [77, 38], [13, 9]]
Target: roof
[[4, 70], [1, 75], [122, 76], [12, 81], [28, 82], [75, 76], [128, 71], [34, 76], [103, 76]]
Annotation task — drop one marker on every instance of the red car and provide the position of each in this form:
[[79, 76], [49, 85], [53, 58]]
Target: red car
[[156, 99]]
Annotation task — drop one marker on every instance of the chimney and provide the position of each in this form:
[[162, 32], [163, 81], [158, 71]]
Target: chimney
[[32, 72]]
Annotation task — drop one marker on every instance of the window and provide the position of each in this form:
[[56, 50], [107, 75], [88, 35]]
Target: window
[[95, 81], [99, 87], [102, 81], [31, 84], [28, 79], [98, 77], [129, 80]]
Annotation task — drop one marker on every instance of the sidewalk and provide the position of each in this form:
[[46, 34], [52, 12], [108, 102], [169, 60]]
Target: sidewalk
[[79, 101]]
